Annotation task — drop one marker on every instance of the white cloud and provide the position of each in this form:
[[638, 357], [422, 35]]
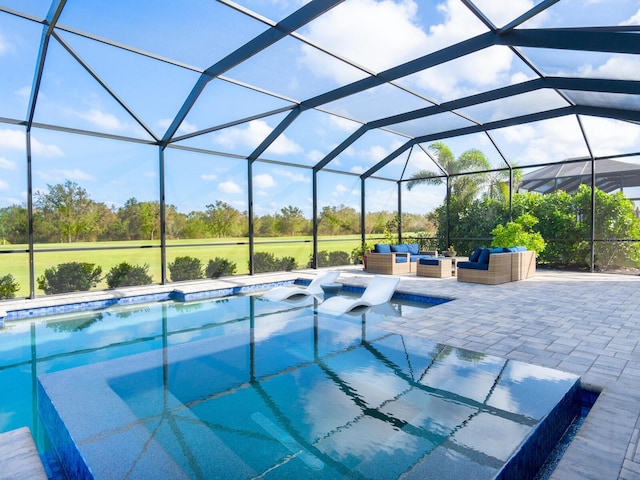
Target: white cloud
[[7, 164], [208, 177], [48, 151], [384, 34], [541, 142], [315, 156], [343, 124], [4, 185], [634, 20], [184, 128], [252, 134], [616, 67], [106, 121], [292, 176], [387, 34], [502, 13], [611, 137], [357, 169], [264, 180], [15, 140], [5, 45], [229, 187], [62, 175], [341, 189]]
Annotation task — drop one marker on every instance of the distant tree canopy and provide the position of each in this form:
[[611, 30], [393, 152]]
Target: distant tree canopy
[[65, 213]]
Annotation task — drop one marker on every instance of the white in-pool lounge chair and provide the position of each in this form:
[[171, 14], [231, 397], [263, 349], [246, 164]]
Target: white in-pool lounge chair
[[283, 293], [379, 291]]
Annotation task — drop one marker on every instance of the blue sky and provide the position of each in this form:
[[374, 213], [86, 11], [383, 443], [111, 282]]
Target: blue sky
[[373, 34]]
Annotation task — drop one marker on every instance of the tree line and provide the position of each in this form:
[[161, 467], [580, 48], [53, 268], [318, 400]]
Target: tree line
[[65, 213]]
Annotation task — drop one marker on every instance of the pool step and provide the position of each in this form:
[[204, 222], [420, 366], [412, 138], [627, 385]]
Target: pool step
[[19, 458]]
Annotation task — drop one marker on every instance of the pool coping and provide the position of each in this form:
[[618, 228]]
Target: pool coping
[[583, 323]]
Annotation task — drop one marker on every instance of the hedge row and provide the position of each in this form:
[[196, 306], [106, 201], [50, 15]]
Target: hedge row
[[82, 276]]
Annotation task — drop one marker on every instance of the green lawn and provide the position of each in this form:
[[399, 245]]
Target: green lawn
[[238, 252]]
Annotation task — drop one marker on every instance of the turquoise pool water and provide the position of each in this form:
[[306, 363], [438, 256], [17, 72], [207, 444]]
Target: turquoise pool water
[[247, 388], [29, 348]]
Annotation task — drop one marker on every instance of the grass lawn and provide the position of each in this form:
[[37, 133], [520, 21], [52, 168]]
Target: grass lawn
[[140, 252]]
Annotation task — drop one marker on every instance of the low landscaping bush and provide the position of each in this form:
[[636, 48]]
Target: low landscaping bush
[[519, 232], [70, 277], [330, 259], [8, 287], [220, 267], [127, 275], [266, 262], [185, 268]]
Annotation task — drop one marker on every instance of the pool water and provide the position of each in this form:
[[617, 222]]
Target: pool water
[[29, 348], [246, 388]]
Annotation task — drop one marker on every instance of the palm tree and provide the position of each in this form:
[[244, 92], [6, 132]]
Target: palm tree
[[498, 184], [464, 187]]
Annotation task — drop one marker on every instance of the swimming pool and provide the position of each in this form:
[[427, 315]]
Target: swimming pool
[[247, 388]]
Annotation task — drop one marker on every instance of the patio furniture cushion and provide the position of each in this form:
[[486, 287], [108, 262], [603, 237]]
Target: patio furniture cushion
[[414, 248], [401, 259], [475, 255], [484, 256], [473, 265], [382, 248], [403, 248], [416, 258], [429, 261]]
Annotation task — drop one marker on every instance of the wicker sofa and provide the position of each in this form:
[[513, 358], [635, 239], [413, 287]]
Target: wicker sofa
[[395, 259], [498, 265]]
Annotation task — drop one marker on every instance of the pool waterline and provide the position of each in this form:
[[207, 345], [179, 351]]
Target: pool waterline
[[275, 424]]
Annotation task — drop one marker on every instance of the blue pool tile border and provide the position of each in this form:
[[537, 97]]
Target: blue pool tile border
[[182, 296]]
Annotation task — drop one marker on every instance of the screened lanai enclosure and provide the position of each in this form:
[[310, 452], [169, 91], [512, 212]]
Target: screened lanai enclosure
[[286, 132]]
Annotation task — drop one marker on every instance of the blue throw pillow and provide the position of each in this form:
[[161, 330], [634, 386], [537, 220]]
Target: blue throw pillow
[[475, 255], [414, 248], [382, 248], [484, 256], [400, 248]]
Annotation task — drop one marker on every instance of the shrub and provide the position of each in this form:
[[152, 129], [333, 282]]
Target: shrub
[[8, 287], [185, 268], [330, 259], [266, 262], [519, 232], [287, 264], [70, 277], [220, 267], [125, 275]]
